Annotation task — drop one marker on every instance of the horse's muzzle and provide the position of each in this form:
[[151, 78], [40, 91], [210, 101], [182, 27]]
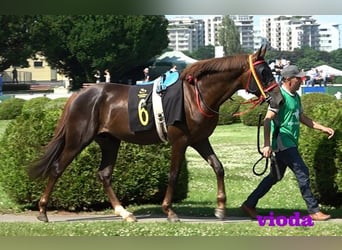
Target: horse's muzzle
[[274, 98]]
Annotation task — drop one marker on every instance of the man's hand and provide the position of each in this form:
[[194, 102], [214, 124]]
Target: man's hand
[[267, 151], [328, 131]]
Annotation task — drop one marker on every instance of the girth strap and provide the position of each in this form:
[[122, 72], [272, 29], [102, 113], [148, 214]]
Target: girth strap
[[158, 112]]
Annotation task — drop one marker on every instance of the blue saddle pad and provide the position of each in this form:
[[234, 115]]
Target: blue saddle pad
[[167, 79]]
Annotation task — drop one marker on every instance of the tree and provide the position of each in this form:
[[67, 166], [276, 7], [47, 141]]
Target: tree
[[15, 45], [307, 57], [78, 45], [204, 52], [229, 37], [336, 58]]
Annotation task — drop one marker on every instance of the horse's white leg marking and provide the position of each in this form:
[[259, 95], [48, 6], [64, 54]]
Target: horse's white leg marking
[[119, 210]]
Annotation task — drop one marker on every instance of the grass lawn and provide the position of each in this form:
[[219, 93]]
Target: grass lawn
[[235, 145]]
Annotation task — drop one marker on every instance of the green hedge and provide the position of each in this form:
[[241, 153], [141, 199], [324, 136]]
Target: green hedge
[[11, 108], [323, 156], [228, 109], [312, 100], [251, 117], [140, 175]]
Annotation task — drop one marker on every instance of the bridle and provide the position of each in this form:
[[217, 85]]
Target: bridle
[[264, 96], [264, 93]]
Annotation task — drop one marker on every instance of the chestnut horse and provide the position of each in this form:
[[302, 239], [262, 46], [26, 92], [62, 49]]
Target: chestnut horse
[[100, 113]]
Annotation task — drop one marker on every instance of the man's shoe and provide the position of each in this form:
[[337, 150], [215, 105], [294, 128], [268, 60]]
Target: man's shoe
[[319, 216], [249, 210]]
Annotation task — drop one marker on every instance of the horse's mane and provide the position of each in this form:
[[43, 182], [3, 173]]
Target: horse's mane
[[214, 65]]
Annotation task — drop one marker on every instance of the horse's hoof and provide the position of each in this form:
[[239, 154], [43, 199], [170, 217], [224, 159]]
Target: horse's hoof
[[220, 213], [173, 218], [42, 217], [130, 218]]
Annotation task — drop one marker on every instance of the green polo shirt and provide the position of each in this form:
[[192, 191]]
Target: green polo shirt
[[285, 125]]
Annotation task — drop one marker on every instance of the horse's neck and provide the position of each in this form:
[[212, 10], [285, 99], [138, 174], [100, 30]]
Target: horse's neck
[[215, 93]]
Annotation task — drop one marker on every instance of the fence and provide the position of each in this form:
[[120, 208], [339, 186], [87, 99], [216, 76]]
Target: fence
[[335, 90], [23, 76]]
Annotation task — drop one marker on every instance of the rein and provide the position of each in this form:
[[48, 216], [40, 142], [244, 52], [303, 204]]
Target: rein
[[199, 98], [263, 97]]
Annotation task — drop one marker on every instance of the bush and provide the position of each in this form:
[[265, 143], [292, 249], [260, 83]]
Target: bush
[[337, 80], [312, 100], [228, 109], [11, 108], [322, 156], [140, 175], [251, 118]]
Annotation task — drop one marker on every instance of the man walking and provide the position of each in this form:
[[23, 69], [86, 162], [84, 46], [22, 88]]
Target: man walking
[[284, 124]]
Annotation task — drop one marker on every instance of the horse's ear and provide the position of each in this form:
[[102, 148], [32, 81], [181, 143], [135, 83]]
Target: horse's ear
[[260, 53]]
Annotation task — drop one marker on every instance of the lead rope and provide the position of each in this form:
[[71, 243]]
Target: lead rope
[[260, 152], [274, 165]]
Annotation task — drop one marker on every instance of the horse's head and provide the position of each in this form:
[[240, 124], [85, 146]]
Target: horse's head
[[261, 80]]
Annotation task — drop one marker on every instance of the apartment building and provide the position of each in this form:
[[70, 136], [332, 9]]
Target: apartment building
[[289, 32], [186, 34], [212, 26], [281, 32], [329, 37], [245, 26]]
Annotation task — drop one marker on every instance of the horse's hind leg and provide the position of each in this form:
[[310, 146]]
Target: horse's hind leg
[[45, 198], [66, 157], [109, 148], [206, 151]]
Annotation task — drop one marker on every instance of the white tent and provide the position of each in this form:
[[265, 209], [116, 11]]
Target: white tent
[[176, 57], [164, 62], [330, 70]]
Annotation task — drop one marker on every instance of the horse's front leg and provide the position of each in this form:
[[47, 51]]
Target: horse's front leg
[[206, 151], [177, 157], [109, 148]]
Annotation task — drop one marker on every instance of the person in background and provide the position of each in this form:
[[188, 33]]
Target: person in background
[[146, 75], [173, 68], [97, 76], [278, 67], [324, 77], [284, 124], [288, 63], [15, 75], [107, 75], [304, 77], [0, 84], [311, 75]]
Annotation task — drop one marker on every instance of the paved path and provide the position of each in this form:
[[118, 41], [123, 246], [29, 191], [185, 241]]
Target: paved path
[[89, 217], [98, 217]]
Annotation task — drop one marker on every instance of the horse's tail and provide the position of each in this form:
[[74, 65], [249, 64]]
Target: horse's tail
[[42, 168]]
